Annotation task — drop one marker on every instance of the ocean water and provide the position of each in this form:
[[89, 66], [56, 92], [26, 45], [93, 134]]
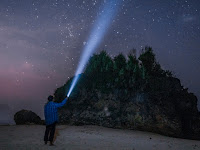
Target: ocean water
[[5, 115]]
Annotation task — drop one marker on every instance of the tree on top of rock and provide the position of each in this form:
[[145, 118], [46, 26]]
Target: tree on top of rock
[[99, 69], [148, 60]]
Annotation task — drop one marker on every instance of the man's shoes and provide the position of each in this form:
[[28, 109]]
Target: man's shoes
[[45, 142], [51, 144]]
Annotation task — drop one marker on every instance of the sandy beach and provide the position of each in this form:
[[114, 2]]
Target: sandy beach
[[30, 137]]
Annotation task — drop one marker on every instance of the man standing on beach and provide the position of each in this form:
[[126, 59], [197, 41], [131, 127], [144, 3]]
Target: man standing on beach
[[51, 118]]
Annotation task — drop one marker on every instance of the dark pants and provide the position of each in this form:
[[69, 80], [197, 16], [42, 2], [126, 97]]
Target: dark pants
[[49, 133]]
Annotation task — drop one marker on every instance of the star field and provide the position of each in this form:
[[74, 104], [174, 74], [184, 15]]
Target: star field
[[41, 42]]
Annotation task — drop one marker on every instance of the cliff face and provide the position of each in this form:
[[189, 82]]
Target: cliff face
[[131, 93], [161, 105]]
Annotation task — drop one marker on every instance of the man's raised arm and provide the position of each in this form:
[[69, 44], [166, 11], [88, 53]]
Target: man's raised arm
[[62, 103]]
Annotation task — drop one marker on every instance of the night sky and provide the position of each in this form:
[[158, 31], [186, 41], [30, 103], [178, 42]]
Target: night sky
[[41, 42]]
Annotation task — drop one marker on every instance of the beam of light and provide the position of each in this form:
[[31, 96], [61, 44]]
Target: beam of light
[[97, 33]]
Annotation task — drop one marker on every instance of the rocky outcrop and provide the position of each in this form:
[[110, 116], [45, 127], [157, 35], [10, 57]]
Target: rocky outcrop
[[162, 106], [133, 93], [27, 117]]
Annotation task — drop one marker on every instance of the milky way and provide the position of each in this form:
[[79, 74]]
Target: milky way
[[41, 42]]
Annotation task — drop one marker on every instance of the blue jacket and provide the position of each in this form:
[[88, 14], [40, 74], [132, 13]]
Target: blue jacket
[[51, 111]]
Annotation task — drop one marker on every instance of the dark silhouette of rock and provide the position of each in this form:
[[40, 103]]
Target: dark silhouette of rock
[[171, 111], [120, 93], [27, 117]]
